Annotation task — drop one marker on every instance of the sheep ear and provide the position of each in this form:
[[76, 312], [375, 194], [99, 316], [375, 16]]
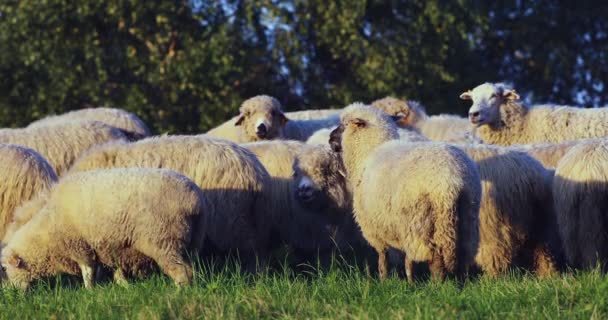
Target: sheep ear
[[358, 122], [15, 261], [510, 94], [239, 121], [466, 95], [283, 118]]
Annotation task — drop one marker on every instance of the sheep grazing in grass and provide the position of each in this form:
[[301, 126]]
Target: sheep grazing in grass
[[232, 178], [443, 127], [499, 117], [103, 216], [312, 114], [516, 219], [25, 174], [294, 224], [62, 143], [580, 187], [262, 118], [131, 124], [419, 197]]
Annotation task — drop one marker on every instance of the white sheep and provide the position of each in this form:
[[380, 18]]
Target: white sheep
[[499, 117], [580, 187], [232, 178], [549, 154], [419, 197], [105, 215], [131, 124], [262, 118], [321, 136], [516, 218], [443, 127], [60, 144], [25, 174]]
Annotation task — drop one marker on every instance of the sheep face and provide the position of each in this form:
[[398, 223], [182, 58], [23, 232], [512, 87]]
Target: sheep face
[[319, 183], [261, 118], [487, 99], [16, 270]]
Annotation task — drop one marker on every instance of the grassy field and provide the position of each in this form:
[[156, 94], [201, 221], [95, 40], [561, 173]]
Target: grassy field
[[338, 292]]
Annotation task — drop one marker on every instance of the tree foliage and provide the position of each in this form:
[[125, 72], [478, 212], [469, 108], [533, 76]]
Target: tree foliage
[[185, 66]]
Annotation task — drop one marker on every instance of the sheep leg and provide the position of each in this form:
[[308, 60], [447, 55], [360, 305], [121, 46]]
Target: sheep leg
[[88, 274], [543, 261], [437, 268], [170, 261], [409, 270], [120, 278]]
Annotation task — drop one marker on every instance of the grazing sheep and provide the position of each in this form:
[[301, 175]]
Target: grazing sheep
[[293, 223], [516, 216], [231, 176], [131, 124], [103, 216], [419, 197], [499, 117], [25, 174], [580, 187], [62, 143], [262, 118], [443, 127], [312, 114]]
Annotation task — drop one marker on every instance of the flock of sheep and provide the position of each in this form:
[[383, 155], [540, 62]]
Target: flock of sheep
[[511, 186]]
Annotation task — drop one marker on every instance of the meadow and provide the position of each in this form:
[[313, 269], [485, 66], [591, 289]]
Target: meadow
[[339, 291]]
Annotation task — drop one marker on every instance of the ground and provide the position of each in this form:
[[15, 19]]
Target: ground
[[340, 291]]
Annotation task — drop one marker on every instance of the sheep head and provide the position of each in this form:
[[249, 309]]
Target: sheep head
[[410, 112], [15, 270], [261, 118], [487, 99]]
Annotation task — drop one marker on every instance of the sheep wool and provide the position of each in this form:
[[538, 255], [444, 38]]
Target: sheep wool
[[419, 197], [101, 216]]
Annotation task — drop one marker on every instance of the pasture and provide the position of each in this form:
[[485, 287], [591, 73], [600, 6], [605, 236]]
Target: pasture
[[337, 292]]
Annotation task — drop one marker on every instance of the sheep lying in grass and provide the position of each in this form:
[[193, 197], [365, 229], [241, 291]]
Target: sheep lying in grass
[[262, 118], [312, 114], [500, 118], [62, 143], [516, 217], [232, 178], [131, 124], [25, 174], [295, 224], [422, 198], [579, 189], [443, 127], [101, 216]]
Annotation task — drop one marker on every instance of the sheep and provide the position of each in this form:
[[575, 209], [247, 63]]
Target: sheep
[[516, 220], [419, 197], [294, 222], [25, 174], [102, 216], [131, 124], [312, 114], [499, 117], [443, 127], [62, 143], [579, 191], [262, 118], [232, 177]]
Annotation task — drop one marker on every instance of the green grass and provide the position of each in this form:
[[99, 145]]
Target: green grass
[[340, 291]]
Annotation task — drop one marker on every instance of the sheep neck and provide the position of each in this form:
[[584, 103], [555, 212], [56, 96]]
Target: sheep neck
[[508, 128]]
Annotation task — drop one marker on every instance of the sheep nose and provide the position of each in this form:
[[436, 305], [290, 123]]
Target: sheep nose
[[261, 131], [475, 116], [305, 193]]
